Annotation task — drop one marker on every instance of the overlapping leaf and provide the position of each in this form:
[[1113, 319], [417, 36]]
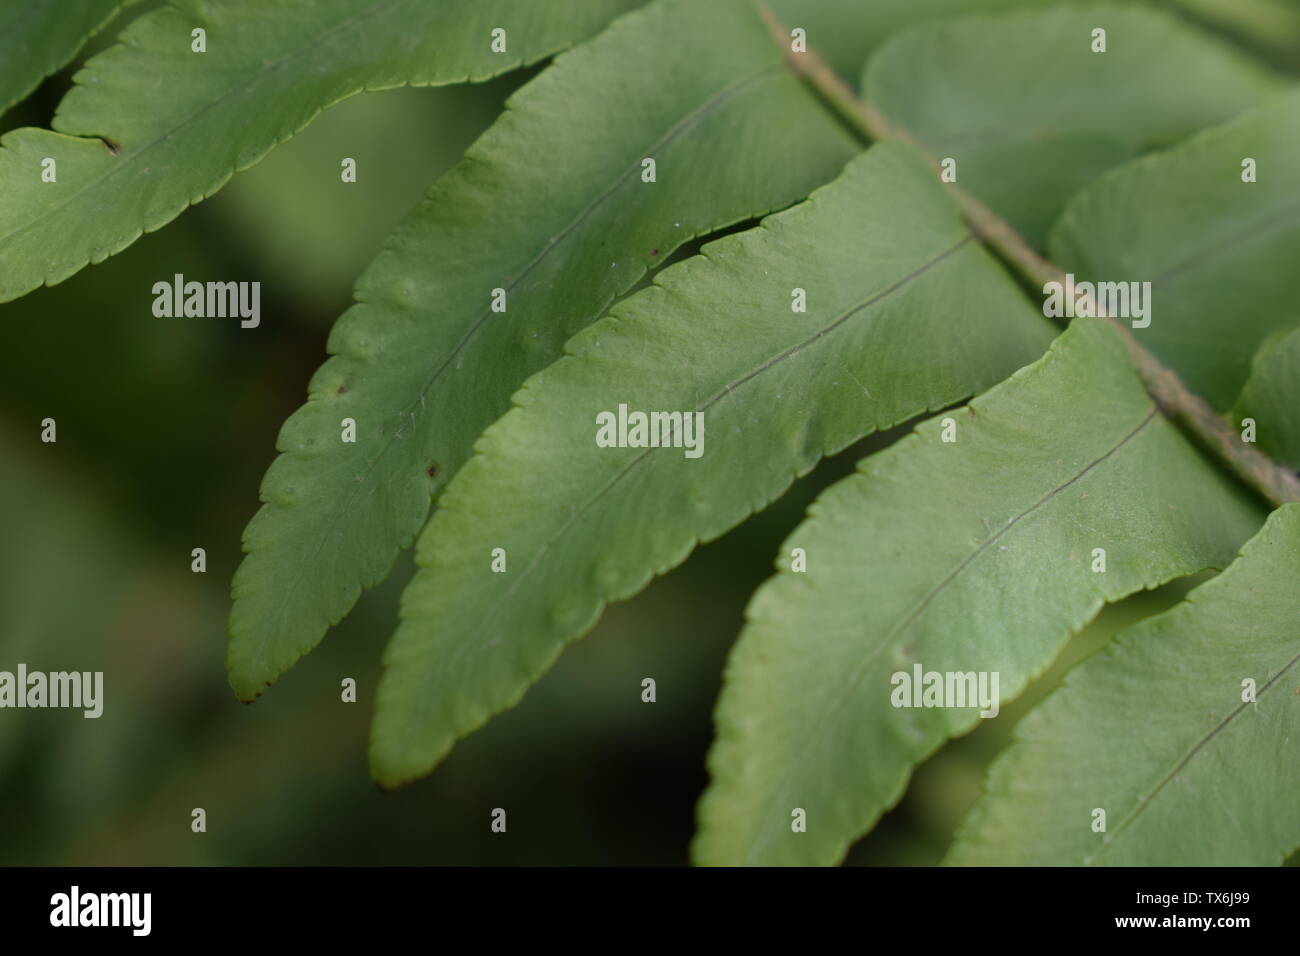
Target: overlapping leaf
[[1053, 114], [1271, 397], [845, 32], [1219, 252], [1183, 731], [552, 208], [37, 37], [1269, 26], [905, 313], [152, 126], [970, 556]]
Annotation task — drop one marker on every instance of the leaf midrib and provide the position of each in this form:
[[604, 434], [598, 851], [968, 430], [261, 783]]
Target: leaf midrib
[[1254, 230], [1111, 839]]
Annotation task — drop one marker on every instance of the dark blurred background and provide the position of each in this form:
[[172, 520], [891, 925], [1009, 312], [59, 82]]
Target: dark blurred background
[[164, 431]]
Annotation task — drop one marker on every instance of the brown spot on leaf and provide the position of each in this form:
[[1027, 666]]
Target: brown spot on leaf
[[111, 146]]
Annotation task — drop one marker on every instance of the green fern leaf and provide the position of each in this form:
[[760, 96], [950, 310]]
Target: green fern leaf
[[1054, 115], [971, 556], [1271, 397], [905, 313], [1192, 765], [1206, 240], [38, 37], [551, 206], [133, 153]]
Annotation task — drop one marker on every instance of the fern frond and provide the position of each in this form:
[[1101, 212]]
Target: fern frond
[[905, 313], [551, 207], [978, 555], [152, 126], [1182, 731], [1219, 251], [39, 37], [1055, 114]]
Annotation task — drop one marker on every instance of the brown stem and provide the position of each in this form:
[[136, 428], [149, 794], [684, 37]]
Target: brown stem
[[1274, 482]]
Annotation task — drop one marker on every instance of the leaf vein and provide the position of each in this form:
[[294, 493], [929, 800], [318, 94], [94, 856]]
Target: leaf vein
[[1144, 802]]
